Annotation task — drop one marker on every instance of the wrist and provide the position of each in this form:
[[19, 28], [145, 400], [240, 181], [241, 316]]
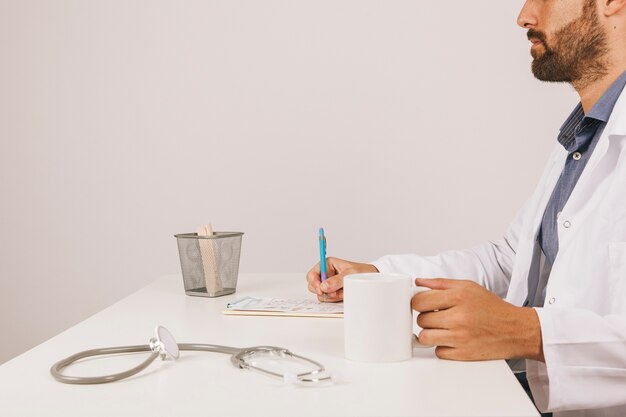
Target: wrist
[[528, 335]]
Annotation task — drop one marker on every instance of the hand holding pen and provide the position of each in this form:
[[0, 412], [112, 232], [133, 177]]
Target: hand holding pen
[[325, 279]]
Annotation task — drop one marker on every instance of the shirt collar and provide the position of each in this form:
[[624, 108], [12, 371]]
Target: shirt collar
[[567, 134], [603, 107], [600, 112]]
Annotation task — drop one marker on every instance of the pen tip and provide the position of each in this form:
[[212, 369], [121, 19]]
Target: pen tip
[[321, 230]]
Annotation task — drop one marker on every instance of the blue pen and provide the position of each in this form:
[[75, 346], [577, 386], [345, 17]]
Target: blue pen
[[322, 255]]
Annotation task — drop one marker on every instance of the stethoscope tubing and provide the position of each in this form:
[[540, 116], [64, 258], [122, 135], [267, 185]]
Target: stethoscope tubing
[[238, 359], [55, 370]]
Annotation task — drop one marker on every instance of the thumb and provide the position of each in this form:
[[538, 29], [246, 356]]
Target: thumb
[[333, 283], [436, 283]]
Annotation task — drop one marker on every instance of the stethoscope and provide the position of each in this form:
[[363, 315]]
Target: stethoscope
[[165, 346]]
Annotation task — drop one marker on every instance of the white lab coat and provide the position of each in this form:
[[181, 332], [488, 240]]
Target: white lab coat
[[583, 321]]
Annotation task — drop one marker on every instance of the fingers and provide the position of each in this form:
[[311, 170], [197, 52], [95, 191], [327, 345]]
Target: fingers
[[436, 320], [436, 337], [433, 300], [313, 279], [333, 297], [446, 352], [336, 269], [332, 284], [332, 266], [437, 283], [315, 289]]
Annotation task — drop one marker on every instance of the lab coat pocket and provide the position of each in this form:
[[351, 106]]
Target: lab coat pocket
[[617, 278]]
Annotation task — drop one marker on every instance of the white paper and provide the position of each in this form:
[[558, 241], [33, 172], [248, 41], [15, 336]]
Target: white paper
[[286, 305]]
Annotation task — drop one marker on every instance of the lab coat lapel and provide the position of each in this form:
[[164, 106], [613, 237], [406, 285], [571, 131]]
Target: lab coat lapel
[[614, 133], [595, 171], [595, 178], [547, 189], [518, 289]]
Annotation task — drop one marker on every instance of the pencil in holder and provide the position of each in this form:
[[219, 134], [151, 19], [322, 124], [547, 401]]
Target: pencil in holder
[[210, 264]]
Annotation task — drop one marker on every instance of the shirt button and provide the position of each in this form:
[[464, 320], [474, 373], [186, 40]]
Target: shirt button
[[552, 300], [567, 224], [577, 156]]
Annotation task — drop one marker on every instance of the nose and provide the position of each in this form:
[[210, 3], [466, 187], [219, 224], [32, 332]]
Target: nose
[[527, 18]]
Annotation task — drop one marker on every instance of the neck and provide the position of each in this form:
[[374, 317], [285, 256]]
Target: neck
[[591, 91]]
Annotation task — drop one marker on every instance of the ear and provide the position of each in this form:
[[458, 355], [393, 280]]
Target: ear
[[613, 7]]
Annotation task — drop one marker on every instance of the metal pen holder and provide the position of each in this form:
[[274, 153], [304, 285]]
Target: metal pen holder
[[210, 264]]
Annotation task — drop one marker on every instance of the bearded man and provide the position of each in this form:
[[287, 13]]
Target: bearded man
[[550, 297]]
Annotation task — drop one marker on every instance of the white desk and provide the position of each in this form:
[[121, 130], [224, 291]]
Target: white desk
[[203, 384]]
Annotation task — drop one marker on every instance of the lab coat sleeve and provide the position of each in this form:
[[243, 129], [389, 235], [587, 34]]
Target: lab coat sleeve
[[584, 352], [490, 264]]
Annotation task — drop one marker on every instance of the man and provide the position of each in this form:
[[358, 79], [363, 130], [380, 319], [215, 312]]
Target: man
[[551, 295]]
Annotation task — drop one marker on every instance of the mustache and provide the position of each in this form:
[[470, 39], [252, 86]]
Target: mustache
[[532, 33]]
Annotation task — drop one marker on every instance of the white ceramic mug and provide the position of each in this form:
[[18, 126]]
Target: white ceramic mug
[[378, 319]]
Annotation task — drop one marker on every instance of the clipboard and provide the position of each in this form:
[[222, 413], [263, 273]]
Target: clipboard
[[286, 307]]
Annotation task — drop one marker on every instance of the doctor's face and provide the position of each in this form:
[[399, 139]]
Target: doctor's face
[[568, 41]]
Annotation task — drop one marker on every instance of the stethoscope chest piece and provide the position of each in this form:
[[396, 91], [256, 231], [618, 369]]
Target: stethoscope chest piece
[[165, 344]]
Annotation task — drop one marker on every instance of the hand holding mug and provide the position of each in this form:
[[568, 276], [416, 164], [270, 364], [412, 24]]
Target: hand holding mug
[[468, 322]]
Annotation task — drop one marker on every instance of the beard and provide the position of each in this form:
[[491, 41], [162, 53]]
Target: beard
[[577, 53]]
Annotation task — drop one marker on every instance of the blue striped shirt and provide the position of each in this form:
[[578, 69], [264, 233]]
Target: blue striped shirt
[[578, 135]]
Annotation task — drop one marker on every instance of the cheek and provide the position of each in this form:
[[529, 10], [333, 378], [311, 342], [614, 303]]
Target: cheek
[[565, 11], [555, 15]]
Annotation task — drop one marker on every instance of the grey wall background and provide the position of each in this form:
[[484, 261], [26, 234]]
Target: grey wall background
[[400, 126]]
